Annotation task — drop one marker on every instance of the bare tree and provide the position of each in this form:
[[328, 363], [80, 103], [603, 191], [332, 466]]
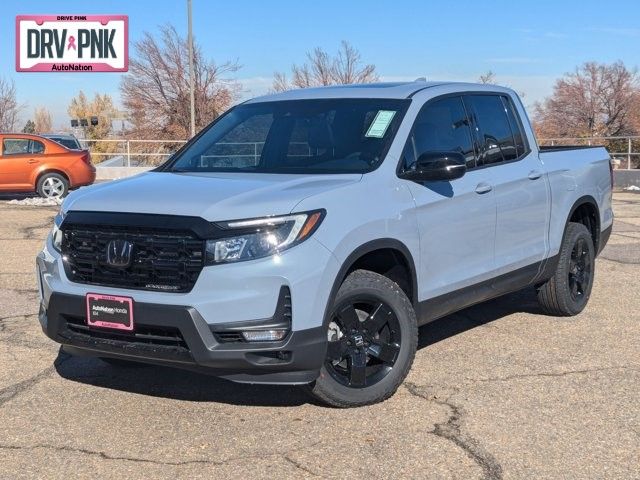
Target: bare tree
[[322, 69], [9, 107], [280, 82], [488, 77], [156, 90], [595, 100], [42, 120]]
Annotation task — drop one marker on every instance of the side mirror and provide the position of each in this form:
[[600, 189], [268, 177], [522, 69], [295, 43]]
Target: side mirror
[[437, 166]]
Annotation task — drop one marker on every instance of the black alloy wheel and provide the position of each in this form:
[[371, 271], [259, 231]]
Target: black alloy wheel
[[580, 269], [372, 336], [364, 342], [567, 292]]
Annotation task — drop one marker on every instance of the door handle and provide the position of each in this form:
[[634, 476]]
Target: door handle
[[483, 187], [535, 174], [32, 160]]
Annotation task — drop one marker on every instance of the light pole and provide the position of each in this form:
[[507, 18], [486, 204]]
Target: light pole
[[192, 98]]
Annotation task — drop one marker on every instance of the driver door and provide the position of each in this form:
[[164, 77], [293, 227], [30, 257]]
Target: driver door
[[457, 218]]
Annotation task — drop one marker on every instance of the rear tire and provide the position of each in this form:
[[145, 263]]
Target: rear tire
[[568, 291], [52, 185], [373, 335]]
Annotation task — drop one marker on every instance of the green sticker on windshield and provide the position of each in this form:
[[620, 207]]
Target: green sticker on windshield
[[380, 124]]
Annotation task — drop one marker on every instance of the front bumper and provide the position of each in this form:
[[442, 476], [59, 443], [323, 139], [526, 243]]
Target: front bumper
[[178, 336], [178, 328]]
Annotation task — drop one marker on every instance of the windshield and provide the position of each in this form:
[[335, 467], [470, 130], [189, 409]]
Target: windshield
[[299, 136]]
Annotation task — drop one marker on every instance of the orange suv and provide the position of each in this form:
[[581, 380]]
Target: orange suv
[[30, 163]]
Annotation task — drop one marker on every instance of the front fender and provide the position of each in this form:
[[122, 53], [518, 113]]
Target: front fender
[[378, 212]]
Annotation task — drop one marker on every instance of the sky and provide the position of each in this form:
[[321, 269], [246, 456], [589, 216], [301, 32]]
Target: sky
[[528, 45]]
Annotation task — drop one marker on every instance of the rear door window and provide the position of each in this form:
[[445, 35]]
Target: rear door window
[[441, 126], [15, 146], [495, 137]]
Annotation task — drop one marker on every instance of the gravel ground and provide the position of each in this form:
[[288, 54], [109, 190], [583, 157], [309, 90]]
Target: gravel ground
[[497, 391]]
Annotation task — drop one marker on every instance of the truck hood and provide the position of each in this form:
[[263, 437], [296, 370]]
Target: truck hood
[[212, 196]]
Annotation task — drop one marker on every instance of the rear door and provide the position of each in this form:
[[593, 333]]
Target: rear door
[[17, 162], [521, 188], [456, 219]]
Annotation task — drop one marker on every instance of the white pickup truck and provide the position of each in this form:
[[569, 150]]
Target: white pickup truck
[[303, 237]]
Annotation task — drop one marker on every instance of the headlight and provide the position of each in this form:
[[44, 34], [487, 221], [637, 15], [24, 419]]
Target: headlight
[[56, 233], [261, 237]]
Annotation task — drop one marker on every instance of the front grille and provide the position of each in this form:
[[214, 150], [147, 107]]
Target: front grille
[[162, 342], [162, 260], [151, 335]]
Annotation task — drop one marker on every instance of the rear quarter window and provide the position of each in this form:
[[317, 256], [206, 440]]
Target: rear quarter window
[[516, 126], [36, 147]]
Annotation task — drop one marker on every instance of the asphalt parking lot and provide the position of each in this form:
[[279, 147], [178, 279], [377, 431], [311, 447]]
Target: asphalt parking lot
[[497, 391]]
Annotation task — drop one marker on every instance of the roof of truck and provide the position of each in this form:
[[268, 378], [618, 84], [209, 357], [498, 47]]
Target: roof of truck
[[397, 90]]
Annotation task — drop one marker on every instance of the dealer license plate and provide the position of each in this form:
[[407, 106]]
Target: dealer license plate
[[109, 311]]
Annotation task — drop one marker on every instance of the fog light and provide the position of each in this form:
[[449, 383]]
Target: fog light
[[264, 335]]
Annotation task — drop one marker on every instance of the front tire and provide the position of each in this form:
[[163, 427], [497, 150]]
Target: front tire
[[52, 185], [567, 292], [373, 336]]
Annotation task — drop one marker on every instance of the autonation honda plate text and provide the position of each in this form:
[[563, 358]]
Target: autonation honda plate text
[[72, 43]]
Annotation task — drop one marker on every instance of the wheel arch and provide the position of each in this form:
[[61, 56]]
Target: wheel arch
[[367, 252], [45, 171], [585, 210]]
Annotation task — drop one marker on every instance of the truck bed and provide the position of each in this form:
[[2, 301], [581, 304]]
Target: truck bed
[[559, 148]]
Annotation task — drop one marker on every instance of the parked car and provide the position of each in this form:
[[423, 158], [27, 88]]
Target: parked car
[[64, 139], [30, 163], [303, 237]]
